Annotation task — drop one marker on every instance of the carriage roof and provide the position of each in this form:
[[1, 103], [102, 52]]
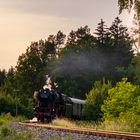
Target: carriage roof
[[77, 101]]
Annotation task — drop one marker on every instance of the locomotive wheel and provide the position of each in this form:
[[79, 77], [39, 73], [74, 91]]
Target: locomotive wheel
[[42, 119], [38, 118]]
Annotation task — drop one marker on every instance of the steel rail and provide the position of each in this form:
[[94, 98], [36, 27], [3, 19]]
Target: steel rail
[[87, 131]]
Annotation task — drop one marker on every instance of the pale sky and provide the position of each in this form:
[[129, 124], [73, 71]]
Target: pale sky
[[25, 21]]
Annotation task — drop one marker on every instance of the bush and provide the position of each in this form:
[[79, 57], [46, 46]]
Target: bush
[[132, 120], [2, 121], [123, 104], [5, 131], [95, 99], [8, 105], [123, 124], [124, 97]]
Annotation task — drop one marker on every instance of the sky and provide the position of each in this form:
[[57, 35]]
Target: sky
[[25, 21]]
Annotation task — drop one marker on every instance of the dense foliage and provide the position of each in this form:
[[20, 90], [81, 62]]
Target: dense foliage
[[134, 70], [81, 66], [123, 98], [123, 103], [95, 99], [14, 105], [87, 58]]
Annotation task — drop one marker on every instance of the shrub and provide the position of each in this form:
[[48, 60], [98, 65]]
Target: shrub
[[8, 104], [5, 131], [124, 97], [123, 104], [95, 99]]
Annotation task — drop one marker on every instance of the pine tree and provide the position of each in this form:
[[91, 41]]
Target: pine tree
[[2, 76], [101, 33], [121, 43]]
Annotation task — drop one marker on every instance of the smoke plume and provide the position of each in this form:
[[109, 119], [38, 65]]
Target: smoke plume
[[76, 64]]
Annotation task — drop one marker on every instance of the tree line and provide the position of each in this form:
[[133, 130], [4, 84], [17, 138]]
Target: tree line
[[86, 65], [80, 60]]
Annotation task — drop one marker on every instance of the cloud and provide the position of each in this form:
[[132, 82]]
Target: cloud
[[60, 8]]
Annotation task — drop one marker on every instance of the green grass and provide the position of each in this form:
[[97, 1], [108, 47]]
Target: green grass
[[87, 124], [110, 125], [4, 118], [6, 133], [120, 125], [63, 122]]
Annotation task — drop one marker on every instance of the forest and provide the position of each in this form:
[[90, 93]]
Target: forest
[[100, 66]]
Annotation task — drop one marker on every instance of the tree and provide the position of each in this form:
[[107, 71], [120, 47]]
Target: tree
[[123, 105], [122, 99], [121, 43], [116, 43], [2, 77], [95, 99], [10, 73], [134, 70], [87, 58], [29, 69], [32, 65], [54, 44], [7, 104], [67, 70], [129, 5], [80, 37], [101, 33], [9, 82]]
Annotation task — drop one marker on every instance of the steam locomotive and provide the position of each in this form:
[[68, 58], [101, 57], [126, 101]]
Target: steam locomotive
[[49, 104]]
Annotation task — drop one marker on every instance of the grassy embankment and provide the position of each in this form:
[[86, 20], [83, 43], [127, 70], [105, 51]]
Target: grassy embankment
[[114, 125], [6, 133], [17, 132]]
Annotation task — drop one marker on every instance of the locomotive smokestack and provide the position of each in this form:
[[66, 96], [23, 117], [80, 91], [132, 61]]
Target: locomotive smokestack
[[48, 83]]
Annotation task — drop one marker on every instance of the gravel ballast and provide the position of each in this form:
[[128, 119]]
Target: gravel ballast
[[48, 134]]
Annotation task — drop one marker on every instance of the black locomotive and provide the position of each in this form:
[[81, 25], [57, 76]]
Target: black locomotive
[[50, 104]]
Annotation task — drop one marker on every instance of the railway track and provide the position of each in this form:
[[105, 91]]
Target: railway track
[[87, 131]]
